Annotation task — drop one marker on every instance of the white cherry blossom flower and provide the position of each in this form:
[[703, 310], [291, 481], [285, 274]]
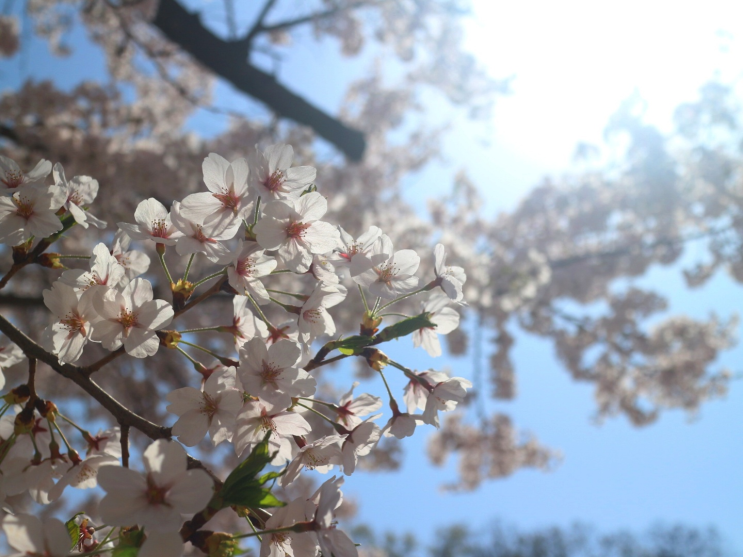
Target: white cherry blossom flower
[[134, 262], [319, 455], [450, 278], [323, 270], [314, 319], [416, 391], [75, 315], [201, 238], [158, 498], [30, 537], [270, 373], [130, 318], [258, 418], [10, 354], [161, 544], [106, 442], [79, 192], [359, 442], [332, 540], [153, 223], [214, 410], [82, 475], [245, 325], [249, 264], [446, 320], [445, 396], [272, 175], [228, 200], [12, 177], [401, 425], [105, 270], [356, 255], [392, 277], [349, 409], [293, 544], [30, 212], [293, 228]]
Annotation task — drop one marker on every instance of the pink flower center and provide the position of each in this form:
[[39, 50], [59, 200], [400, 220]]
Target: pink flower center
[[201, 237], [209, 406], [266, 422], [75, 198], [312, 315], [159, 228], [74, 323], [25, 206], [127, 319], [312, 461], [155, 494], [228, 200], [274, 182], [297, 230], [269, 374], [13, 178], [245, 267], [386, 272]]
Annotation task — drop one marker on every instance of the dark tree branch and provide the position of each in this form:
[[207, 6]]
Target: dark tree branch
[[258, 26], [286, 24], [229, 60]]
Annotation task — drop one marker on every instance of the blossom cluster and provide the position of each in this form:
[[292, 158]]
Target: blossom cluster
[[260, 217]]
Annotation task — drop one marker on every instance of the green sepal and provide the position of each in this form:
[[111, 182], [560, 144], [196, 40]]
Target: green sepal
[[405, 327], [353, 345], [242, 488]]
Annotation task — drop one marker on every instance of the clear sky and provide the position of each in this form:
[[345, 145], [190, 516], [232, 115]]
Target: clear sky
[[574, 63]]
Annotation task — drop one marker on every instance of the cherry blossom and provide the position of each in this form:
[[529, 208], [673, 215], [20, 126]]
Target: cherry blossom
[[416, 391], [75, 315], [401, 425], [249, 264], [28, 535], [228, 200], [270, 373], [82, 475], [314, 319], [134, 262], [202, 238], [12, 177], [272, 175], [157, 499], [293, 544], [293, 228], [392, 277], [256, 418], [10, 355], [349, 409], [446, 320], [214, 410], [130, 318], [450, 278], [359, 442], [79, 192], [245, 325], [319, 455], [30, 212], [332, 541], [445, 396], [153, 223], [355, 255], [105, 270]]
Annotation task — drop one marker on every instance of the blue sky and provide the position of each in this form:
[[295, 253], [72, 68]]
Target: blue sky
[[574, 63]]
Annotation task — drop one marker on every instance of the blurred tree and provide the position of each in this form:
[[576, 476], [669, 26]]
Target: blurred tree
[[578, 540], [564, 247]]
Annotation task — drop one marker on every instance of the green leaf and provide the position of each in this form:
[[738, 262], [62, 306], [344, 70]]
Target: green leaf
[[406, 327], [243, 489], [73, 529], [249, 468]]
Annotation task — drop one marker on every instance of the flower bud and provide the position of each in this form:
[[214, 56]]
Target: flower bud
[[18, 395], [376, 359], [50, 260], [182, 291]]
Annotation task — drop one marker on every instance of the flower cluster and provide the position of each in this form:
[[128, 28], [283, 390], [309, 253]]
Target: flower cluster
[[261, 218]]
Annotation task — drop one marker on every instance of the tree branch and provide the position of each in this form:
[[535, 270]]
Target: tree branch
[[229, 60], [286, 24]]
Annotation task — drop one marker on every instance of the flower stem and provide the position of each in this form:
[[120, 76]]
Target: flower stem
[[199, 330], [280, 271], [328, 404], [161, 256], [188, 267], [264, 532], [220, 358], [301, 297], [257, 210], [62, 256], [259, 310], [324, 417], [214, 275], [363, 298], [182, 351], [403, 297]]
